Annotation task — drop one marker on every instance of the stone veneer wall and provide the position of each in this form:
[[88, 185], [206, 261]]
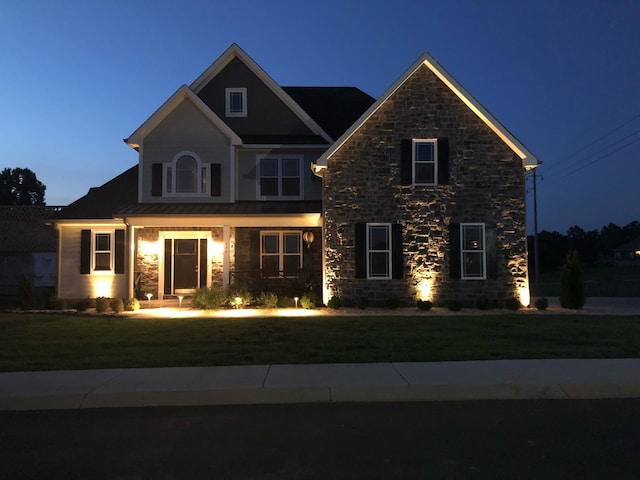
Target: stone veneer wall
[[147, 263], [486, 184]]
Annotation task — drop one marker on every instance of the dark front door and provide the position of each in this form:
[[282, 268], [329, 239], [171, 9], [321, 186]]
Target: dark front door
[[185, 273]]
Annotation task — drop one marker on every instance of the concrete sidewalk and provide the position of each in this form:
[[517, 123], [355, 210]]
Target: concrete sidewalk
[[373, 382]]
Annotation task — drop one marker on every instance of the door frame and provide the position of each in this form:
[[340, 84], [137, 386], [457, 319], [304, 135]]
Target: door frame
[[182, 235]]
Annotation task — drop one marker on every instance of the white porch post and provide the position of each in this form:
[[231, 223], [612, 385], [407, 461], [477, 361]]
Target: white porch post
[[226, 256]]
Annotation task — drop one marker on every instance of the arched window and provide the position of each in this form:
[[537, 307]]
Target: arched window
[[186, 175]]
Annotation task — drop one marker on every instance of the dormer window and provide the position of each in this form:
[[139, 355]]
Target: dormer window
[[236, 102], [186, 175]]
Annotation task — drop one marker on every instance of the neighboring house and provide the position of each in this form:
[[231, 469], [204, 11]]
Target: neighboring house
[[418, 195], [627, 254], [27, 248]]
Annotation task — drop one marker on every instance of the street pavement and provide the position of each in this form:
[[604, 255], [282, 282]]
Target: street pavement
[[370, 382]]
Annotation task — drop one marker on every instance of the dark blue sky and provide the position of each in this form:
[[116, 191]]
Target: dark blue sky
[[78, 76]]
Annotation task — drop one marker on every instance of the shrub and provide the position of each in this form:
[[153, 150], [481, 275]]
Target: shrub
[[102, 304], [268, 300], [571, 288], [117, 305], [362, 302], [308, 301], [238, 296], [454, 305], [56, 303], [83, 305], [285, 302], [208, 298], [541, 303], [132, 304], [27, 298], [335, 302], [483, 303], [392, 303], [424, 305], [512, 303]]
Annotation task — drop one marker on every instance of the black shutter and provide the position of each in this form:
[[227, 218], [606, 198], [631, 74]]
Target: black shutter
[[119, 252], [361, 250], [491, 246], [454, 251], [85, 252], [443, 161], [406, 162], [397, 263], [156, 180], [203, 262], [168, 260], [254, 250], [216, 179]]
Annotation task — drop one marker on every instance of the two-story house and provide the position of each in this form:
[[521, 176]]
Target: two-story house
[[418, 195]]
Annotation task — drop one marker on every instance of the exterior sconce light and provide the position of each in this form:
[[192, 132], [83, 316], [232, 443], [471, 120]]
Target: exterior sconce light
[[308, 238], [149, 295]]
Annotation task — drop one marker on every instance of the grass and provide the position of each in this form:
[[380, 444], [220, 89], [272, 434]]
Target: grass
[[59, 342]]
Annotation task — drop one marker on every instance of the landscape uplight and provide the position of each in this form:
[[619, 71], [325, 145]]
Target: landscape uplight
[[149, 295]]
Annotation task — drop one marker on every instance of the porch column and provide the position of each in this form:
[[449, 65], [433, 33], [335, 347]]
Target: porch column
[[226, 256]]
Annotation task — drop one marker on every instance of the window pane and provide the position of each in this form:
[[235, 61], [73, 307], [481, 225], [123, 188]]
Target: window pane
[[290, 186], [379, 237], [103, 261], [291, 243], [271, 243], [268, 167], [235, 102], [291, 264], [472, 237], [270, 265], [186, 174], [103, 241], [268, 187], [290, 167], [425, 173], [425, 152], [472, 264], [378, 264]]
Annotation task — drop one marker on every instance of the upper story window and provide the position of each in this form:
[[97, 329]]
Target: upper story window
[[279, 177], [473, 251], [425, 162], [186, 175], [236, 102]]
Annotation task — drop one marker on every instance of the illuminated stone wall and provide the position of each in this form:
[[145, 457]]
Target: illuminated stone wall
[[486, 184]]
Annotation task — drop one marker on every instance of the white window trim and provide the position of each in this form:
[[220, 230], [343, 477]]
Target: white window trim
[[227, 96], [280, 196], [463, 251], [281, 254], [202, 170], [94, 251], [389, 252], [415, 142]]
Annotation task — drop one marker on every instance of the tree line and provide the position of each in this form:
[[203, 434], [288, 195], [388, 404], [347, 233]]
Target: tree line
[[594, 247]]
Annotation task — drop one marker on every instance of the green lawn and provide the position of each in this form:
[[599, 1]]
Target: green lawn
[[55, 342]]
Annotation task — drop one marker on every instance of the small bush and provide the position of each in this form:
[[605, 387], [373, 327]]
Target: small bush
[[335, 302], [209, 298], [541, 303], [483, 303], [362, 302], [286, 302], [83, 305], [238, 296], [392, 303], [27, 298], [56, 303], [308, 301], [512, 303], [116, 305], [132, 305], [454, 305], [268, 300], [102, 304], [424, 305]]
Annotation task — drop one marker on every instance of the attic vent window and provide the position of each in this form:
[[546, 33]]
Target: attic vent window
[[236, 102]]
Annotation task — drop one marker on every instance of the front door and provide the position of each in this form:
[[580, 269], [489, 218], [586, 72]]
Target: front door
[[185, 267]]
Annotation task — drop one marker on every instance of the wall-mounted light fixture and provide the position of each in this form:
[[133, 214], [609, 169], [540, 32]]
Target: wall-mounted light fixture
[[308, 238]]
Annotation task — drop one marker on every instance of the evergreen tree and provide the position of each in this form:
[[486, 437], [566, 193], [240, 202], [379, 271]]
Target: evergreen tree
[[571, 287]]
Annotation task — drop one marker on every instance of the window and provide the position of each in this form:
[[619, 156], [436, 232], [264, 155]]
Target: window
[[378, 250], [425, 162], [473, 251], [186, 175], [102, 251], [279, 177], [236, 102], [280, 253]]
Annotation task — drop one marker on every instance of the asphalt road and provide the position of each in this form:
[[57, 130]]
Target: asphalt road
[[563, 439]]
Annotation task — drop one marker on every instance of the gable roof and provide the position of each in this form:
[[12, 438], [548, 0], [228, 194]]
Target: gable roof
[[22, 229], [528, 159], [234, 51], [183, 93], [100, 202]]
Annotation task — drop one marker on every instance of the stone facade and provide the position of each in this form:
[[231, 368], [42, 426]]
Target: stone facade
[[362, 184]]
